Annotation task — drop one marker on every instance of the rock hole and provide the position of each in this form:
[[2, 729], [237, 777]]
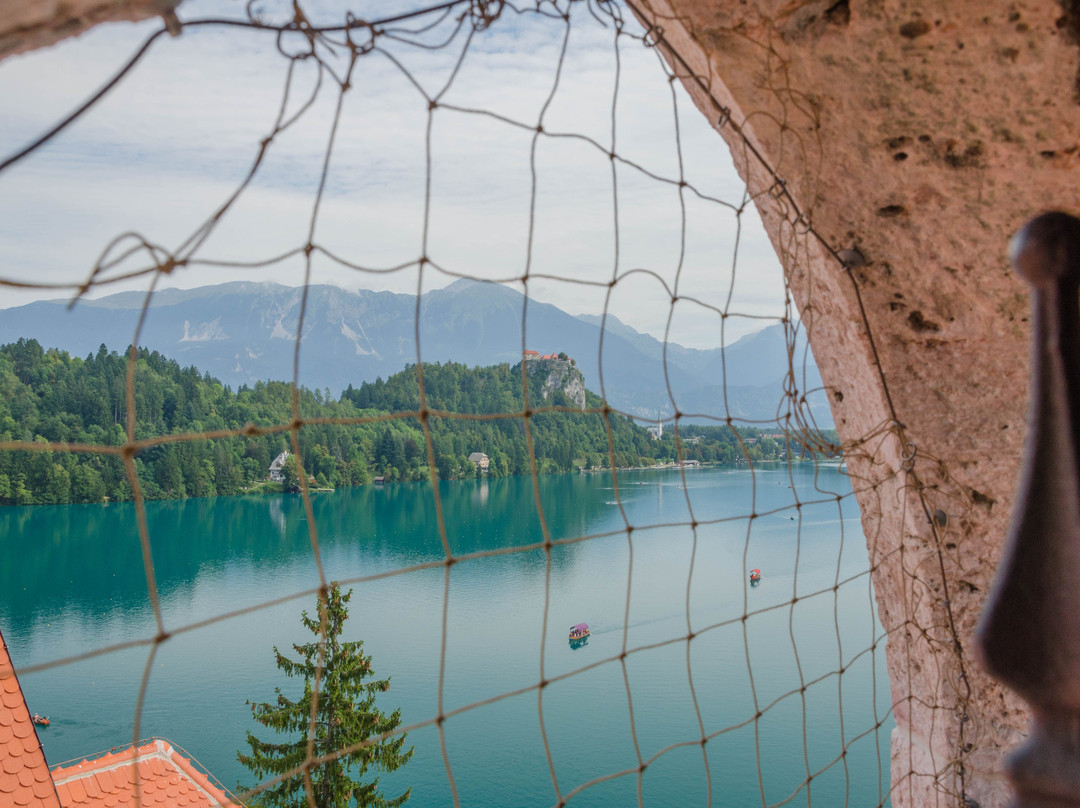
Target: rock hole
[[919, 323], [839, 13], [891, 211], [914, 29]]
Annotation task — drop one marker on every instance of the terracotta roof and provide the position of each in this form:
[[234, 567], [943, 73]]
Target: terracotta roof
[[24, 774], [162, 776], [165, 778]]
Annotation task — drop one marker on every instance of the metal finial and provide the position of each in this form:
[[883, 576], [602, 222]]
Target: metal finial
[[1029, 634]]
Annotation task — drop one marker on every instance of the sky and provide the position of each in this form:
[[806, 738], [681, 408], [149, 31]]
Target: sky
[[471, 186]]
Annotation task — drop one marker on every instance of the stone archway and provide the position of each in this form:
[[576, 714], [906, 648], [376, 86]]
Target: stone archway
[[915, 139]]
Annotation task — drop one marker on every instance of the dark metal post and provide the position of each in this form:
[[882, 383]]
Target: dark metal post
[[1029, 634]]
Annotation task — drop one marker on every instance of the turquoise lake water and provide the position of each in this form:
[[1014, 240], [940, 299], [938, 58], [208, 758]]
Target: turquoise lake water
[[74, 581]]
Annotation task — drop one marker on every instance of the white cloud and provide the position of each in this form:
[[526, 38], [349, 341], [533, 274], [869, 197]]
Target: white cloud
[[176, 138]]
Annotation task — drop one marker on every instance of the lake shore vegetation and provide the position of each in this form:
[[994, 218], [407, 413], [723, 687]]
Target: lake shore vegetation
[[49, 396]]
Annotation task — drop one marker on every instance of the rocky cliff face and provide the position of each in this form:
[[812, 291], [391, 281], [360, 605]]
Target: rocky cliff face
[[551, 376]]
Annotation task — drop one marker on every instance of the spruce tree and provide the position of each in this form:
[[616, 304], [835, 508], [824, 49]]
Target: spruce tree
[[346, 715]]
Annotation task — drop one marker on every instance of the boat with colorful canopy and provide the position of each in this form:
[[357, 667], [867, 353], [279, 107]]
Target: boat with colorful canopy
[[579, 632], [755, 576]]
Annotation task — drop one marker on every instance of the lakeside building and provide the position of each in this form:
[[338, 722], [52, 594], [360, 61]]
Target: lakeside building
[[480, 460], [277, 467], [657, 429]]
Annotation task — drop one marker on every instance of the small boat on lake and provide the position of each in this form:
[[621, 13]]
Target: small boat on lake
[[579, 632], [40, 720], [755, 576]]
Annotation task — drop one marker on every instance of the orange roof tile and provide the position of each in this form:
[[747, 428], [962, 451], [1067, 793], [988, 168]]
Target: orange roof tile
[[162, 775], [24, 774]]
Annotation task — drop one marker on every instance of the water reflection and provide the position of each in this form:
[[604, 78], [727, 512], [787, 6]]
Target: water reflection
[[89, 557], [480, 493], [470, 632]]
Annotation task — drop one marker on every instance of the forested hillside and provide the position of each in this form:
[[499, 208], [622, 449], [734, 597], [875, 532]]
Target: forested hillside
[[50, 396], [239, 333]]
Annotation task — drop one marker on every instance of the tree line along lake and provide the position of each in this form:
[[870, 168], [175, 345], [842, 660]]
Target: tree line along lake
[[51, 396], [786, 680]]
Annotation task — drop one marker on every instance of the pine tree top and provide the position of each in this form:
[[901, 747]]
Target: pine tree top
[[335, 724]]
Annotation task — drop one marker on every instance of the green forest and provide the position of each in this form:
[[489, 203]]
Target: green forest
[[48, 396]]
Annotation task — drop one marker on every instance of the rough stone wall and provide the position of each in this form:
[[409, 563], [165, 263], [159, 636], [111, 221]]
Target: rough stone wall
[[29, 24], [923, 135]]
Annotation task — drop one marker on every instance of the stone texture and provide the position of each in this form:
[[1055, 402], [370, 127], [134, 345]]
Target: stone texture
[[29, 24], [922, 135]]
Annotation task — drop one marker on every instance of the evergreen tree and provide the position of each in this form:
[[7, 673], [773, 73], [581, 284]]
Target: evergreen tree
[[290, 476], [346, 715]]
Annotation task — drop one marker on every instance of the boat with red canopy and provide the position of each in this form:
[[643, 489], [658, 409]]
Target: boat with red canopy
[[755, 576]]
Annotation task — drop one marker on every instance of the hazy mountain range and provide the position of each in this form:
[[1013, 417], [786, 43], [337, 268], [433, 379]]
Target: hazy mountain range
[[244, 332]]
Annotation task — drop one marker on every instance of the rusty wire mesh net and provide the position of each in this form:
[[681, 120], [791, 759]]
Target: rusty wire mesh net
[[326, 59]]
